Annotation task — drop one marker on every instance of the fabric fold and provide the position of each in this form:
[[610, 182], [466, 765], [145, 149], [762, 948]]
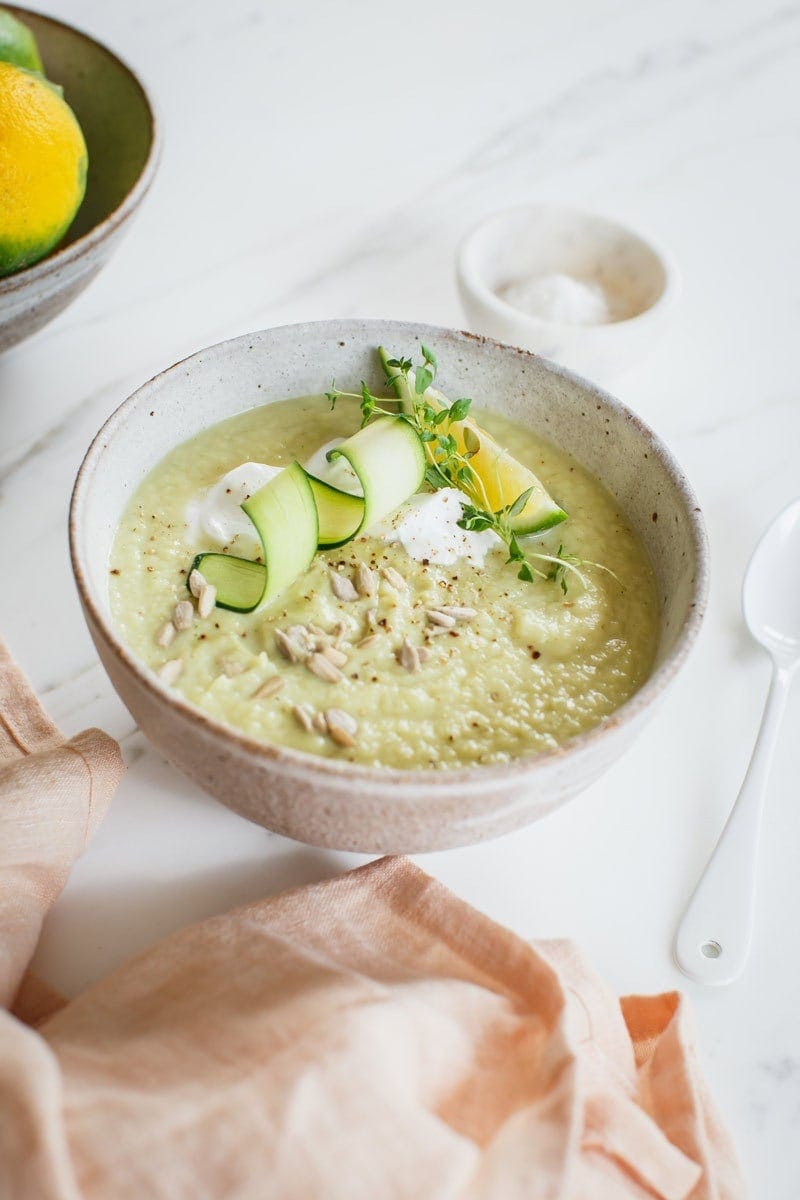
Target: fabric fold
[[368, 1036], [54, 794]]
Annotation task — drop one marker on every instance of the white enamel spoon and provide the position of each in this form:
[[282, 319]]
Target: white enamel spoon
[[714, 936]]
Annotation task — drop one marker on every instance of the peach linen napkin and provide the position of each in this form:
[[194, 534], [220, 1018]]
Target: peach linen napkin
[[367, 1037]]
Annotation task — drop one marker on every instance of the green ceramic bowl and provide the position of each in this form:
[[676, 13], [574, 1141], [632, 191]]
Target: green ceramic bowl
[[122, 138]]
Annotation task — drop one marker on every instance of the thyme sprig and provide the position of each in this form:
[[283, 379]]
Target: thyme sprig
[[450, 467]]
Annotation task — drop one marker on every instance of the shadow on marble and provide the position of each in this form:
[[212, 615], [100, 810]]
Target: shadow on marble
[[119, 921]]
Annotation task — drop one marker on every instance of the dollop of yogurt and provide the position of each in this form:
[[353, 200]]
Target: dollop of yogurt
[[427, 528], [216, 513]]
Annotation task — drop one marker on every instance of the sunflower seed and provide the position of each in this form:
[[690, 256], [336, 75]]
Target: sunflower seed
[[338, 634], [320, 724], [408, 656], [301, 636], [372, 619], [369, 640], [457, 612], [341, 726], [206, 600], [436, 631], [337, 657], [394, 579], [183, 615], [366, 582], [288, 646], [196, 582], [319, 665], [270, 688], [170, 671], [166, 635], [232, 668], [424, 653], [436, 617], [304, 715], [342, 587]]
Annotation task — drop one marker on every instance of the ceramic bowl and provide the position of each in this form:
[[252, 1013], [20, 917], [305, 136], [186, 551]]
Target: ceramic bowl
[[324, 801], [640, 280], [120, 130]]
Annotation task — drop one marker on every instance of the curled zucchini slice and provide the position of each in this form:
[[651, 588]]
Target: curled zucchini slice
[[296, 513], [284, 513]]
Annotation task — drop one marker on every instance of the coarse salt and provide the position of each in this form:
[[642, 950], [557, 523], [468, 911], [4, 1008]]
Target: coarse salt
[[561, 298]]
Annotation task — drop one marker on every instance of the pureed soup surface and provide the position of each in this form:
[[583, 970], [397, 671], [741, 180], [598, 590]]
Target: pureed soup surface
[[533, 668]]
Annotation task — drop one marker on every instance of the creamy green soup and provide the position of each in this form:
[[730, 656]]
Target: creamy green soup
[[532, 668]]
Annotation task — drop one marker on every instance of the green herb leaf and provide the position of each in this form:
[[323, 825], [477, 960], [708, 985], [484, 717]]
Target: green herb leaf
[[422, 380], [368, 404], [476, 524], [435, 478], [459, 409], [429, 356], [516, 508]]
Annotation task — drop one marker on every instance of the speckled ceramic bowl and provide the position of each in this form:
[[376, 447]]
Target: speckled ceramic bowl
[[121, 136], [322, 800]]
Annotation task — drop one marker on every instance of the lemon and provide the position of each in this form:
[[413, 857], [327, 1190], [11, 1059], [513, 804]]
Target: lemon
[[17, 43], [42, 167], [504, 479]]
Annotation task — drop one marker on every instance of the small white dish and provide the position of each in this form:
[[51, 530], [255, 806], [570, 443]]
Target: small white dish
[[640, 281]]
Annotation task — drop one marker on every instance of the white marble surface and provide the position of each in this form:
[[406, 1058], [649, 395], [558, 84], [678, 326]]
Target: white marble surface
[[323, 160]]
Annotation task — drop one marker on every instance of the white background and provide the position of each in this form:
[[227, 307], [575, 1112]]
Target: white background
[[323, 160]]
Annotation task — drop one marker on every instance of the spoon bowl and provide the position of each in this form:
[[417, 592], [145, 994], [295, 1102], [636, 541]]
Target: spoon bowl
[[772, 586], [714, 937]]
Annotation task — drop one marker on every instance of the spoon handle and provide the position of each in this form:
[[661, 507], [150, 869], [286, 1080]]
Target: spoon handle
[[713, 940]]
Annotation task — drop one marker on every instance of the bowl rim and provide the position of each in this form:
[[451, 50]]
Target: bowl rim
[[472, 280], [332, 769], [68, 254]]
